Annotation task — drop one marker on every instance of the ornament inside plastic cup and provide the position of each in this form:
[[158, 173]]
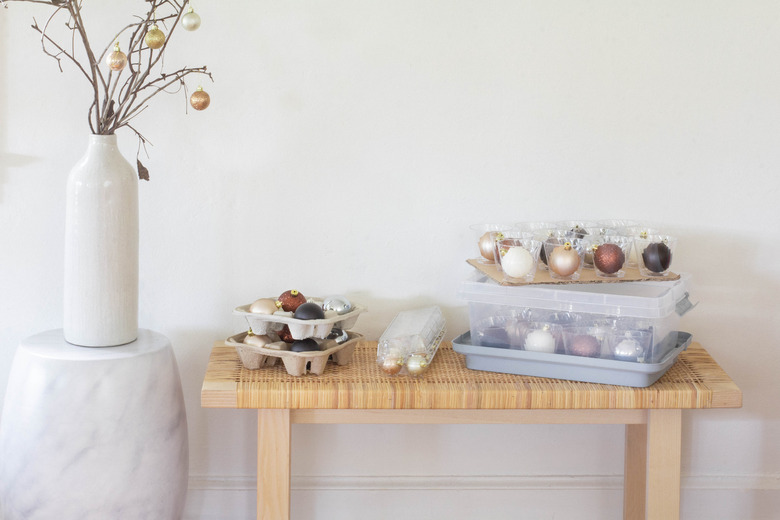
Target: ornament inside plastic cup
[[640, 230], [518, 258], [501, 235], [543, 337], [577, 228], [583, 341], [655, 254], [610, 254], [565, 256], [629, 344], [486, 242]]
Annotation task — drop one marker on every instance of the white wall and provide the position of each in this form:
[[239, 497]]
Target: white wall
[[349, 146]]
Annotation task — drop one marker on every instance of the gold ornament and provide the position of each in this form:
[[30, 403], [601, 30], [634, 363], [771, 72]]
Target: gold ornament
[[486, 247], [117, 60], [154, 38], [200, 100]]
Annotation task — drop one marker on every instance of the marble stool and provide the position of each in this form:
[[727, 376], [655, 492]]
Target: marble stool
[[93, 433]]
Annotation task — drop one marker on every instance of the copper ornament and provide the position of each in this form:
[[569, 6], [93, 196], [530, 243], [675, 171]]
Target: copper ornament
[[200, 99], [564, 260], [290, 300], [609, 258]]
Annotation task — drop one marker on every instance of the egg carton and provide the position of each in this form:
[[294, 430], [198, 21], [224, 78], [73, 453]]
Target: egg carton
[[296, 363], [300, 329]]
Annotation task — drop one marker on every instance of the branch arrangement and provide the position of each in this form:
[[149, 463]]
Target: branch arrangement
[[122, 82]]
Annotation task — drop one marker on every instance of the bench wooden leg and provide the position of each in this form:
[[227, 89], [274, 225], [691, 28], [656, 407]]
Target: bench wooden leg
[[273, 464], [664, 439], [635, 472]]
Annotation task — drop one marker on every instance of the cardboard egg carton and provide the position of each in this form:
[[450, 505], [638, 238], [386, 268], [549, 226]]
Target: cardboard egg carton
[[300, 329], [296, 363]]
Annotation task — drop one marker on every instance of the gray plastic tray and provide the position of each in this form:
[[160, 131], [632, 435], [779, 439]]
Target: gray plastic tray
[[561, 366]]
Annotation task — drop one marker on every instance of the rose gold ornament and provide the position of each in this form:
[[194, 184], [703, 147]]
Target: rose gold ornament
[[263, 306], [200, 99], [258, 341], [486, 246], [564, 260], [392, 365], [154, 38], [117, 60]]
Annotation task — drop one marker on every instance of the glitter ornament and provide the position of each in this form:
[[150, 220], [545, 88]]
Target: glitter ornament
[[154, 38], [190, 21], [200, 99], [290, 300], [117, 60], [564, 260], [609, 258], [285, 334], [585, 345]]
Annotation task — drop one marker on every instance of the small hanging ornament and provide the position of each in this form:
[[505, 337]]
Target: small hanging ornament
[[117, 60], [190, 21], [154, 38], [200, 99]]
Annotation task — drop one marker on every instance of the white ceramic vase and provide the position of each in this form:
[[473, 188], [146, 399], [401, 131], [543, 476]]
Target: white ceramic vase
[[101, 248]]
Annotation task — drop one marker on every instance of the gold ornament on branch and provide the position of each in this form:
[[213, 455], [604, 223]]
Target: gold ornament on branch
[[154, 38], [122, 84], [200, 99]]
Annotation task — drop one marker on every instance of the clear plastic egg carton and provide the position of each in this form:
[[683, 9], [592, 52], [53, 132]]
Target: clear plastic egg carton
[[300, 329], [410, 342], [314, 362]]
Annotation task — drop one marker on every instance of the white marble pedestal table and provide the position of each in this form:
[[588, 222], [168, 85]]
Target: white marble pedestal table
[[93, 433]]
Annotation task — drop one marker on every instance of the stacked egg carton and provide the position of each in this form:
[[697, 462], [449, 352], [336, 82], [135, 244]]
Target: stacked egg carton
[[303, 338]]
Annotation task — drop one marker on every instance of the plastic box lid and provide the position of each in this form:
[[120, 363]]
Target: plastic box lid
[[635, 299]]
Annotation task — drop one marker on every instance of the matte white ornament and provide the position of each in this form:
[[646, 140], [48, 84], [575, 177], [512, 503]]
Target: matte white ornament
[[101, 248], [540, 341]]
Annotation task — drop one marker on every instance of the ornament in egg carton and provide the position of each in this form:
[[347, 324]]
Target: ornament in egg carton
[[410, 342], [302, 333]]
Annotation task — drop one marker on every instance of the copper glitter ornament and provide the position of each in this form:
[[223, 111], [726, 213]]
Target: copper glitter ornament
[[290, 300], [154, 38], [200, 99], [285, 335], [117, 60], [609, 258]]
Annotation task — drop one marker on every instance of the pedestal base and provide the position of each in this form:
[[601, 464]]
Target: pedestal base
[[93, 433]]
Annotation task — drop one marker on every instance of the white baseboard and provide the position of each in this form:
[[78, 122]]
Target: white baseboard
[[710, 497]]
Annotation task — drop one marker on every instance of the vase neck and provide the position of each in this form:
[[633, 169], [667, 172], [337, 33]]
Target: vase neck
[[102, 140]]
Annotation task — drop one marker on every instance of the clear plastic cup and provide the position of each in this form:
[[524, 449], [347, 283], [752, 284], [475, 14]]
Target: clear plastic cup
[[655, 254], [485, 242], [543, 337], [609, 254], [565, 256], [584, 341], [518, 258], [630, 344]]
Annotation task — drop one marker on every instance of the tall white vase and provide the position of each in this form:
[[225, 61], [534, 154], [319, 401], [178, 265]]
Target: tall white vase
[[101, 248]]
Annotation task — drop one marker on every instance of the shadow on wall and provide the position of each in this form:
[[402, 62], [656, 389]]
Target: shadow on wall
[[7, 160]]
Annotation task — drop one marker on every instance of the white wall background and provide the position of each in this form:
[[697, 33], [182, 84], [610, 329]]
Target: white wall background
[[349, 146]]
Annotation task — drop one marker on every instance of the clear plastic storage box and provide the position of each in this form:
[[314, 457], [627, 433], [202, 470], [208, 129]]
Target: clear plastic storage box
[[630, 321]]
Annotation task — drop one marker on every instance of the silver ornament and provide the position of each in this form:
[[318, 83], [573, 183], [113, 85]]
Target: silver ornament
[[191, 20], [628, 350], [337, 303]]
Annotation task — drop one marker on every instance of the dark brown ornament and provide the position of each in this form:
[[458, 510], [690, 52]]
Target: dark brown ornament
[[657, 257], [609, 258], [304, 345], [309, 311], [285, 334], [290, 300]]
